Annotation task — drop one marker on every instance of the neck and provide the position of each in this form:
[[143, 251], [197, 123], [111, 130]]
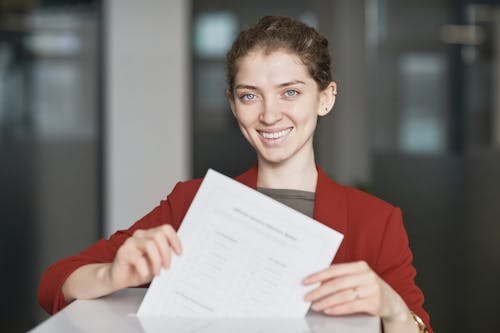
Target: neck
[[297, 176]]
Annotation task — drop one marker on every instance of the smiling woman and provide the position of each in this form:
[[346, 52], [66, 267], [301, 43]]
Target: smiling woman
[[276, 103], [279, 83]]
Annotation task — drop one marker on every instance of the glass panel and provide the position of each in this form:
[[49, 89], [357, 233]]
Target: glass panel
[[213, 33], [422, 124]]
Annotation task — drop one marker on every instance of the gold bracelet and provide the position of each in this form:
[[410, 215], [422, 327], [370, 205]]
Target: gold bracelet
[[419, 322]]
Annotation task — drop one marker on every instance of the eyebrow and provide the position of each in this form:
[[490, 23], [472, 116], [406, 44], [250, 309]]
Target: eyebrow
[[291, 83], [281, 85]]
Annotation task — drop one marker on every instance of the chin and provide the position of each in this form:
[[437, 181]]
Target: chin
[[274, 159]]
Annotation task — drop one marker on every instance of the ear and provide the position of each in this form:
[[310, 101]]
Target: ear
[[327, 98], [230, 99]]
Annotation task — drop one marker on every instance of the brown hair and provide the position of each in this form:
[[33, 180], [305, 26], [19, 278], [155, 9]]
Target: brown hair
[[272, 33]]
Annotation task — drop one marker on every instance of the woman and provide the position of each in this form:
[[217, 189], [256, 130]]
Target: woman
[[279, 83]]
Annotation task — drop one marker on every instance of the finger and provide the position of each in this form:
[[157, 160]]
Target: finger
[[142, 268], [356, 306], [168, 257], [173, 239], [336, 270], [338, 284], [341, 297], [163, 247], [152, 254], [167, 250]]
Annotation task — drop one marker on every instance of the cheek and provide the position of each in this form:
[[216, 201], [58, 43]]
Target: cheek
[[246, 115], [306, 113], [244, 119], [308, 105]]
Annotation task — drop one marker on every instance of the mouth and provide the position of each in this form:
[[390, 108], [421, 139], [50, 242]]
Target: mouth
[[274, 134]]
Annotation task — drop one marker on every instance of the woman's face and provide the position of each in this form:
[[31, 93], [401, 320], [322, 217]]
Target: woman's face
[[277, 103]]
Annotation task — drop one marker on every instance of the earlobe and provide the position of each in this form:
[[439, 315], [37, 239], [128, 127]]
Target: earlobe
[[324, 111], [328, 96]]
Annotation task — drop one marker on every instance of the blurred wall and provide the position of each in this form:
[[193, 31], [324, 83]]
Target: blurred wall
[[147, 141]]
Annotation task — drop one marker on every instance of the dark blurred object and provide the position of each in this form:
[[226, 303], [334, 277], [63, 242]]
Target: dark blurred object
[[49, 144], [435, 103], [450, 209]]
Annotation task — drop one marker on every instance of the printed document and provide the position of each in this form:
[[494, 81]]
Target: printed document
[[244, 255]]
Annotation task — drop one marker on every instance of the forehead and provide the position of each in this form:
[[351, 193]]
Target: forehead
[[262, 68]]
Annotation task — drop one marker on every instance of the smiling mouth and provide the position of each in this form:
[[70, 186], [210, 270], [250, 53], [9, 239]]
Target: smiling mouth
[[275, 135]]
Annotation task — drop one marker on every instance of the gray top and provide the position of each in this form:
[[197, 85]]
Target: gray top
[[303, 201]]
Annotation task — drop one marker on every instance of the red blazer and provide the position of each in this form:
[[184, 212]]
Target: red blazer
[[373, 232]]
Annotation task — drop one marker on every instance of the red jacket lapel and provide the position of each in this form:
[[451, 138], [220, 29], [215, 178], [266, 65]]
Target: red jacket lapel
[[330, 208], [249, 178]]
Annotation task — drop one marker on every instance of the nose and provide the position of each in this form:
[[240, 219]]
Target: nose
[[270, 113]]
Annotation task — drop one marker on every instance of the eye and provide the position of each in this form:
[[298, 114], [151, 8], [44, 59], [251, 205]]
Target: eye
[[248, 97], [291, 93]]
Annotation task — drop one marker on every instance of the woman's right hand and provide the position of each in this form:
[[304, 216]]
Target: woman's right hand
[[141, 256]]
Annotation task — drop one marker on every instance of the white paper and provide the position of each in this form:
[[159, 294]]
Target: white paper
[[244, 255]]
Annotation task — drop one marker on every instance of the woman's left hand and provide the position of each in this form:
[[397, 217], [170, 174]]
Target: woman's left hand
[[354, 288]]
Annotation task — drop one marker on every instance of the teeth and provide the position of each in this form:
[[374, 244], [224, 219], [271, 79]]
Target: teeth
[[275, 135]]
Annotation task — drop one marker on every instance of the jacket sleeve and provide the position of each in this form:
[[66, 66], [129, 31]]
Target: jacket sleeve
[[394, 265], [50, 295]]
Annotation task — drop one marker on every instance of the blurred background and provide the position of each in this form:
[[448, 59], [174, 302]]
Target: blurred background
[[104, 105]]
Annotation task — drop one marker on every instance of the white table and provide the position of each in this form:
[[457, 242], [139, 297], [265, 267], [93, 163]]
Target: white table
[[116, 313]]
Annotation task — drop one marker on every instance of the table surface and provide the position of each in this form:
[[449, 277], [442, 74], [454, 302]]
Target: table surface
[[117, 313]]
